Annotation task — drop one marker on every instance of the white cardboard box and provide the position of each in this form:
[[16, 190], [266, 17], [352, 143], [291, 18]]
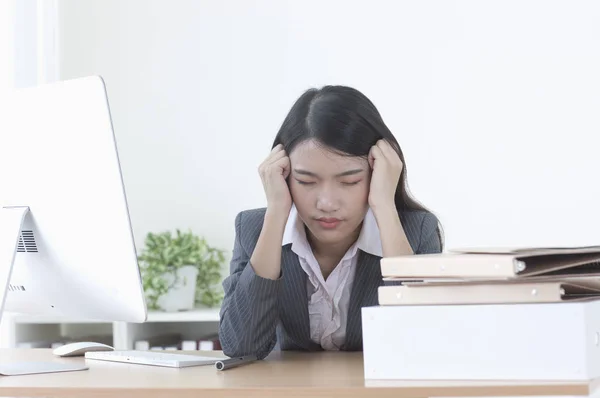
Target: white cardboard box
[[559, 341]]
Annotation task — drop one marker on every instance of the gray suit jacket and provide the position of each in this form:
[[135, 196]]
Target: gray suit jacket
[[258, 313]]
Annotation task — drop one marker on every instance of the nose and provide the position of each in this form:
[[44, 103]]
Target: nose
[[327, 201]]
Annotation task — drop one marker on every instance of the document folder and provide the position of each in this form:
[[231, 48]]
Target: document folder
[[492, 276], [501, 264], [488, 292]]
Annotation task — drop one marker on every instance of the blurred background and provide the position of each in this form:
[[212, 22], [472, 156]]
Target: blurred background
[[495, 103]]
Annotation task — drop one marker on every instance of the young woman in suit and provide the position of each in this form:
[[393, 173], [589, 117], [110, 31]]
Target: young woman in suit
[[337, 202]]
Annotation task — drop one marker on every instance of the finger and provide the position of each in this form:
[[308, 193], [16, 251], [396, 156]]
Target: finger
[[376, 154], [370, 158], [390, 153], [386, 149], [287, 169], [275, 157], [277, 148], [283, 165]]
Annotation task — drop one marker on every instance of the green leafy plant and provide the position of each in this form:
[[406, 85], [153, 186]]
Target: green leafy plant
[[164, 253]]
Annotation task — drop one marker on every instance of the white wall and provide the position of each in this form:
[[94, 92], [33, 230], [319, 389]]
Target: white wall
[[495, 103], [7, 45], [28, 43]]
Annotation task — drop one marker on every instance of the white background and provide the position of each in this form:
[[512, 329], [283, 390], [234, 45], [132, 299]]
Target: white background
[[7, 45], [496, 104]]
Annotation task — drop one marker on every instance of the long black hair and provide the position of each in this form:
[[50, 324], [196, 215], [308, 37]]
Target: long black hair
[[343, 120]]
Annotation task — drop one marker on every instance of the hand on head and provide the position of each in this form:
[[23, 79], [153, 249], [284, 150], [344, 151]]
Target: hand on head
[[387, 167], [274, 171]]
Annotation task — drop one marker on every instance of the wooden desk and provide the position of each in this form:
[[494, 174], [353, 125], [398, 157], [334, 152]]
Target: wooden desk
[[286, 374]]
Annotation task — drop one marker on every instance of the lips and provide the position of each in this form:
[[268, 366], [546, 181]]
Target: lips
[[329, 222]]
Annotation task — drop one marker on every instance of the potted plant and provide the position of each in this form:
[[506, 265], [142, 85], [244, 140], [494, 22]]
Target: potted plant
[[179, 271]]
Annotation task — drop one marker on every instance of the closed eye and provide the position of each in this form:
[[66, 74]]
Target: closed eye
[[351, 183], [305, 182]]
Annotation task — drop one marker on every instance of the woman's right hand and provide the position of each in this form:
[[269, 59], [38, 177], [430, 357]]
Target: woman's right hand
[[274, 171]]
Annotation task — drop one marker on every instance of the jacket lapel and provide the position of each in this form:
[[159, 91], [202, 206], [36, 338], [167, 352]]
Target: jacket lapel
[[294, 301], [364, 293]]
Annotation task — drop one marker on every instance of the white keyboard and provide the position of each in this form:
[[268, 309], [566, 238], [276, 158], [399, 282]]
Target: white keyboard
[[156, 358]]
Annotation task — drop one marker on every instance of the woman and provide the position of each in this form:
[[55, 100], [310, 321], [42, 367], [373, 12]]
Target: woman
[[337, 202]]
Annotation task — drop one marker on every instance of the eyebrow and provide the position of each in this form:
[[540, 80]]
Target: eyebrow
[[345, 173]]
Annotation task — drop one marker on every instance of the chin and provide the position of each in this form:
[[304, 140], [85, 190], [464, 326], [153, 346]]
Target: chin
[[329, 235]]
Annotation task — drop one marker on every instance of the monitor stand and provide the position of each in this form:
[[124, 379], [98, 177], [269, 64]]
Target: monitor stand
[[11, 221]]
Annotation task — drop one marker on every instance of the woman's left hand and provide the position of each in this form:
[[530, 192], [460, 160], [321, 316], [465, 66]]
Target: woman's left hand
[[386, 166]]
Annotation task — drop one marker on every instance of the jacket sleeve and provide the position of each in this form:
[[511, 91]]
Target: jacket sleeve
[[430, 239], [249, 313]]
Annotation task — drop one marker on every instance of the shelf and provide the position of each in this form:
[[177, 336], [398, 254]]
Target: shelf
[[17, 328], [197, 315]]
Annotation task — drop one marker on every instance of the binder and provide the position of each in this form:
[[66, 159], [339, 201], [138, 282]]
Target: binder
[[469, 305], [523, 249], [490, 292], [489, 263]]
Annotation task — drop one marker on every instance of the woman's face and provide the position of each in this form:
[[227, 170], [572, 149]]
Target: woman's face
[[329, 190]]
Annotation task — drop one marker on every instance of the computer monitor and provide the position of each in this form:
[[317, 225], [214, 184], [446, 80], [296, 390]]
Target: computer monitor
[[66, 241]]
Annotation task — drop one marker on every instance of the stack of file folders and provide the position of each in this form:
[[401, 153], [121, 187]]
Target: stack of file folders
[[492, 276], [486, 314]]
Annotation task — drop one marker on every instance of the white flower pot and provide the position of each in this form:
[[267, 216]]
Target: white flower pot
[[182, 295]]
